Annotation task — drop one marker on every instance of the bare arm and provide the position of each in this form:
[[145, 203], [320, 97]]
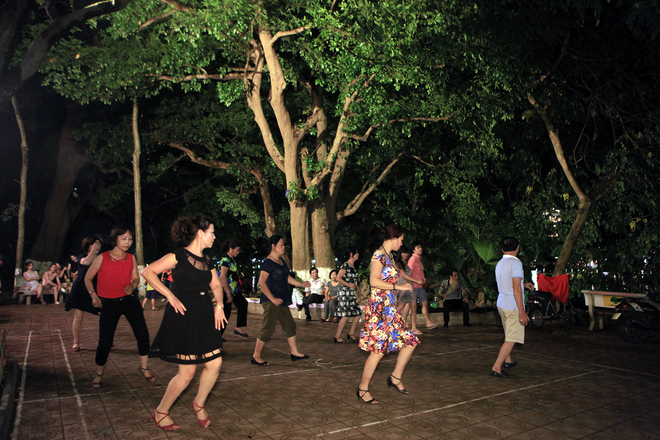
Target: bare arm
[[263, 277], [89, 276], [224, 281], [409, 278], [295, 282], [518, 296], [135, 278], [216, 287], [340, 280], [150, 273]]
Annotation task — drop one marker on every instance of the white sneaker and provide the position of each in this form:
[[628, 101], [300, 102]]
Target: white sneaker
[[57, 302]]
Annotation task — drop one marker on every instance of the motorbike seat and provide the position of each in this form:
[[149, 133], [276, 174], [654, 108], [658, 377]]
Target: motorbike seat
[[544, 295]]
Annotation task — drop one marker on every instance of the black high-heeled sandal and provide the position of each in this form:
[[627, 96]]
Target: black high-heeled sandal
[[360, 396], [337, 341], [395, 385], [350, 337]]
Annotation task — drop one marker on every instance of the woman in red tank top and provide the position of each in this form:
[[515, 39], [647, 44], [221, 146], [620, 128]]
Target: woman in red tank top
[[117, 278]]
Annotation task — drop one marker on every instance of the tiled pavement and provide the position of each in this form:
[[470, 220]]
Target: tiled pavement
[[571, 384]]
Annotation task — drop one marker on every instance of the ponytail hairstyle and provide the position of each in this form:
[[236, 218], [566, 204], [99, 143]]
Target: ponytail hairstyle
[[391, 231], [184, 229], [348, 251], [272, 241]]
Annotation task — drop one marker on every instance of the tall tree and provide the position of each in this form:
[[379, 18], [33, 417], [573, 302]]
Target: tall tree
[[23, 198], [327, 84]]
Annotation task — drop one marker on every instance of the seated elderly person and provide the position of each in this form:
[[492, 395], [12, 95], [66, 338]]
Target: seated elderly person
[[455, 297], [314, 293]]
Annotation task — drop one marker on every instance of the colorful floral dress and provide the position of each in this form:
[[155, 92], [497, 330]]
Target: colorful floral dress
[[384, 329]]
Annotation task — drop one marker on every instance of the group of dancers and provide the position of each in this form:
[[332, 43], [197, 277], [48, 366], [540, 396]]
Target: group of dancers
[[191, 329]]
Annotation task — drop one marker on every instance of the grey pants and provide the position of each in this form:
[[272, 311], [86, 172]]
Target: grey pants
[[329, 308]]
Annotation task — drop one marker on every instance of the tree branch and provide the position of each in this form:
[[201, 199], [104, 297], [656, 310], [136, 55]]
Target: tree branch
[[213, 76], [31, 62], [365, 136], [290, 32], [355, 204]]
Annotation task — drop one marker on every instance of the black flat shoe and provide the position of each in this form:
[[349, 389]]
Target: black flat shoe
[[503, 374], [510, 364], [467, 324], [254, 362], [242, 335], [395, 385], [337, 341], [360, 396], [297, 358]]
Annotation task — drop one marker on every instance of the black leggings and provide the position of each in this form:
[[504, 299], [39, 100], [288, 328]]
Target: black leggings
[[241, 310], [130, 307]]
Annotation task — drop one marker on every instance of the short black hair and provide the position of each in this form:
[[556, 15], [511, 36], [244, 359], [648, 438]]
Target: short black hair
[[313, 269], [509, 244], [119, 230]]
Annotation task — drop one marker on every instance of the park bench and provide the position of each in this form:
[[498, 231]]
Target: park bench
[[601, 303]]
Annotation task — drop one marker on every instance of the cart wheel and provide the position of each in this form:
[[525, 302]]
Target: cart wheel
[[535, 316]]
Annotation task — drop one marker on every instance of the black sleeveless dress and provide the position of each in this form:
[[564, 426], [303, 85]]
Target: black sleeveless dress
[[79, 298], [190, 338]]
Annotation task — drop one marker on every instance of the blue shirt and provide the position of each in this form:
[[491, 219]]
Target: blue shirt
[[277, 281]]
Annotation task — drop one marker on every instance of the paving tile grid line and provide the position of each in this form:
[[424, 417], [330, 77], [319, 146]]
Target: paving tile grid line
[[455, 362]]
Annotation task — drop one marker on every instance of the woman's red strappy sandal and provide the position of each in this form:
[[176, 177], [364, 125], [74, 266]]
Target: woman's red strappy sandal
[[171, 427], [204, 423]]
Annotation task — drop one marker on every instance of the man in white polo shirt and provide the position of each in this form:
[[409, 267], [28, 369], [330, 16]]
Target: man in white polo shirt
[[510, 274]]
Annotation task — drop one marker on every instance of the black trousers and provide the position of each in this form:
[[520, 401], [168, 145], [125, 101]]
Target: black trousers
[[130, 307], [456, 304], [241, 310], [312, 298]]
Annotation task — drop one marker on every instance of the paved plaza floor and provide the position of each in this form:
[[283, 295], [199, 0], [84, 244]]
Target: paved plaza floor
[[571, 384]]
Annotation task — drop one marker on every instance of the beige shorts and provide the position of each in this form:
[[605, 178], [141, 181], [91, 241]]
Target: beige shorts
[[514, 331]]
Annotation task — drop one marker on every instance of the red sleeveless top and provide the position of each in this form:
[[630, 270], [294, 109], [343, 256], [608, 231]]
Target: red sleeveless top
[[114, 276]]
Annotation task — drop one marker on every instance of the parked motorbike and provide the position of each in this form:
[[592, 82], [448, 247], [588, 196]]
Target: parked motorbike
[[637, 319], [542, 306]]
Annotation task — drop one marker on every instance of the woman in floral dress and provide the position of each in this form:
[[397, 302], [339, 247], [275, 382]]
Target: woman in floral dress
[[385, 330]]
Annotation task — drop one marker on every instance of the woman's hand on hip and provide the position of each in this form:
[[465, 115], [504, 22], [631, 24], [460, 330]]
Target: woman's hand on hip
[[177, 305]]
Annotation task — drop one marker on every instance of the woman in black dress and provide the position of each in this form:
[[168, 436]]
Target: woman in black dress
[[79, 299], [190, 333]]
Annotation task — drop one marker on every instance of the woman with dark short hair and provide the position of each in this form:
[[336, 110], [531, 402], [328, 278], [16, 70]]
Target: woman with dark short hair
[[274, 280], [117, 277], [347, 304], [384, 329], [190, 333], [230, 280]]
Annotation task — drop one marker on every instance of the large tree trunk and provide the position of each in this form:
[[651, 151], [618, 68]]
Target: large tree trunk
[[137, 191], [300, 260], [323, 237], [572, 237], [20, 242], [585, 201], [61, 209]]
